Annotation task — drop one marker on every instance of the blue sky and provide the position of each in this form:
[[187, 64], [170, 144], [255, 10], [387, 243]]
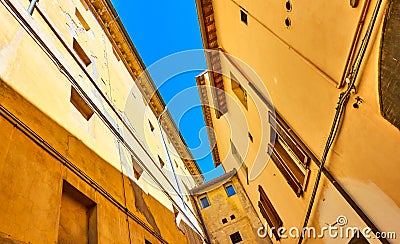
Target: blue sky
[[162, 28]]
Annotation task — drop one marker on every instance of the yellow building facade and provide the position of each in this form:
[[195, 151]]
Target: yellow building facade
[[88, 152], [303, 99], [227, 211]]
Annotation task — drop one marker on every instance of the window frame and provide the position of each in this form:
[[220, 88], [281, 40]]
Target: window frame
[[269, 213], [229, 184], [290, 158], [201, 203], [234, 237], [244, 16]]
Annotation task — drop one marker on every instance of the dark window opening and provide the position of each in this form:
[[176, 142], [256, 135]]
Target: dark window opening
[[224, 221], [81, 226], [161, 161], [233, 217], [288, 6], [151, 126], [204, 202], [82, 20], [243, 16], [239, 91], [236, 237], [288, 22], [81, 53], [84, 5], [80, 104], [230, 190], [250, 136], [176, 164]]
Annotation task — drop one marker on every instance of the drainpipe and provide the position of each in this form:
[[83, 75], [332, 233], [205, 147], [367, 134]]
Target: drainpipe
[[167, 152], [32, 6], [343, 99]]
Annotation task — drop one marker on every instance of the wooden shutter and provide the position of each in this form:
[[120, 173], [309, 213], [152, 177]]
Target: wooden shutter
[[269, 213]]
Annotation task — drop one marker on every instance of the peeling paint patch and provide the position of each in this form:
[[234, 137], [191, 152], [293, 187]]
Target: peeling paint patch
[[142, 207], [8, 54]]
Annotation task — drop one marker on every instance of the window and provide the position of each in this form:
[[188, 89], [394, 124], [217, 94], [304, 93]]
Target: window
[[80, 227], [358, 238], [236, 237], [224, 221], [250, 136], [84, 5], [233, 217], [288, 155], [82, 20], [229, 189], [80, 104], [81, 53], [161, 161], [239, 91], [151, 126], [243, 16], [204, 202], [269, 213]]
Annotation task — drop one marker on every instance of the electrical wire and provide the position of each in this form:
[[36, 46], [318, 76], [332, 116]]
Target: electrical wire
[[340, 109]]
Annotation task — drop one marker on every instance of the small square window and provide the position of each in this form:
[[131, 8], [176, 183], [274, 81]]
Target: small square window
[[80, 104], [204, 202], [82, 20], [233, 217], [161, 161], [250, 136], [151, 126], [243, 16], [81, 53], [239, 91], [236, 237], [224, 221], [230, 190]]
